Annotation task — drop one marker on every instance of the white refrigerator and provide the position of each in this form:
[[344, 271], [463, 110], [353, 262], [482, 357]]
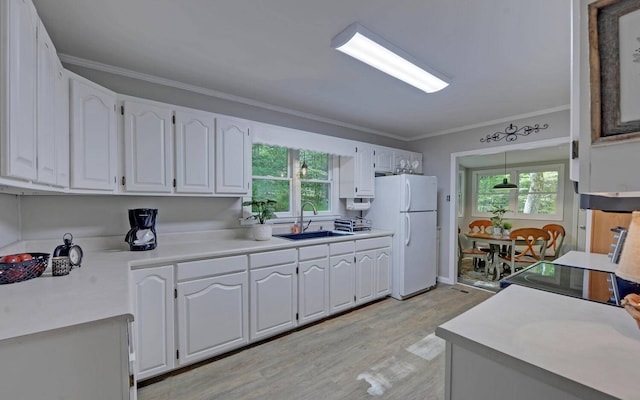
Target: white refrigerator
[[407, 205]]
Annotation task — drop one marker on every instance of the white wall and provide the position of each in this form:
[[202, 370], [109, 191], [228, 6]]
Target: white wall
[[437, 161], [9, 219]]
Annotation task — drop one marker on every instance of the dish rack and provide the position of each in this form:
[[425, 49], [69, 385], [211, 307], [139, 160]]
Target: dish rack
[[352, 224]]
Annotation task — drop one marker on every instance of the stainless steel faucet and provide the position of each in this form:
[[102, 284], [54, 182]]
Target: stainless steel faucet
[[315, 212]]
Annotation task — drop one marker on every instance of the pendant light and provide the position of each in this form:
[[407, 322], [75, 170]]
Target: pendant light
[[505, 182], [304, 168]]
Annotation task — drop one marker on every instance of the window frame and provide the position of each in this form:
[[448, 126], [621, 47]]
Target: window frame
[[514, 176], [295, 185]]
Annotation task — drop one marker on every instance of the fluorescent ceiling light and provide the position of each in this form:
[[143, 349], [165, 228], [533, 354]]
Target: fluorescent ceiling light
[[364, 45]]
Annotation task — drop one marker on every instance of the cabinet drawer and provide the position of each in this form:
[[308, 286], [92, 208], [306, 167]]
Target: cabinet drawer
[[373, 243], [341, 248], [266, 259], [215, 266], [311, 252]]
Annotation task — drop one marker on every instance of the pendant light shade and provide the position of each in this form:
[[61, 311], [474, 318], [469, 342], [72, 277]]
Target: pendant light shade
[[505, 182], [304, 168]]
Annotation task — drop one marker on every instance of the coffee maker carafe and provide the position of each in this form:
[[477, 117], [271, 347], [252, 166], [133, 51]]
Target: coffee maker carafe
[[142, 235]]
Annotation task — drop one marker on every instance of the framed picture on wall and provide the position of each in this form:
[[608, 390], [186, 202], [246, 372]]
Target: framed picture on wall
[[614, 61]]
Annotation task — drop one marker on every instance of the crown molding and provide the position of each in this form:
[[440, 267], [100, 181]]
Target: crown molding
[[214, 93]]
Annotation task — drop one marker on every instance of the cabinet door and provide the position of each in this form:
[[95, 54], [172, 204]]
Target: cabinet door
[[62, 126], [148, 147], [365, 174], [233, 156], [382, 272], [154, 320], [194, 152], [365, 276], [313, 290], [401, 159], [46, 108], [93, 136], [213, 316], [274, 292], [383, 160], [416, 159], [342, 285], [19, 24]]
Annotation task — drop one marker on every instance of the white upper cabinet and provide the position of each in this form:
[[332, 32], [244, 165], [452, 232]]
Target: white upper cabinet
[[416, 162], [194, 151], [384, 159], [93, 136], [233, 156], [148, 148], [18, 28], [46, 108], [357, 173], [62, 126]]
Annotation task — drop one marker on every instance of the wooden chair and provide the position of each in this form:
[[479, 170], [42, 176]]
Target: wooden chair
[[532, 243], [472, 253], [554, 247], [481, 226]]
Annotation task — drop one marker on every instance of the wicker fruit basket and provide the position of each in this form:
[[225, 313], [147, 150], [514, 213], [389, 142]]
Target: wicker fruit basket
[[24, 270]]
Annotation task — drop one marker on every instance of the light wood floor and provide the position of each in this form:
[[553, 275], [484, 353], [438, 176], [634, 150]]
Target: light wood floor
[[383, 351]]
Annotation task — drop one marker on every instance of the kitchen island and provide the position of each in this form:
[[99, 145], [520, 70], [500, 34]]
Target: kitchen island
[[59, 327], [530, 344]]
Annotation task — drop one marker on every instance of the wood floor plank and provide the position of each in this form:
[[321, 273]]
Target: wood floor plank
[[359, 355]]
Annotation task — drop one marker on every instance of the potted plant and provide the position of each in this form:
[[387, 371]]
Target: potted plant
[[498, 212], [263, 210], [506, 228]]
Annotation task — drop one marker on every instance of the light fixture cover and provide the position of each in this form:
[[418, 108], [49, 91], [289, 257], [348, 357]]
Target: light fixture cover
[[366, 46]]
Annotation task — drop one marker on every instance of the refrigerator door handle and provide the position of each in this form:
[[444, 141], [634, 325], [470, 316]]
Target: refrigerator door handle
[[408, 233], [408, 193]]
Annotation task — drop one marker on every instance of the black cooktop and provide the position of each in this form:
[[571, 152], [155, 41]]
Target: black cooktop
[[571, 281]]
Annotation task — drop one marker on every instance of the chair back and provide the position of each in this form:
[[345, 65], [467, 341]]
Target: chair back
[[557, 234], [532, 238], [480, 225]]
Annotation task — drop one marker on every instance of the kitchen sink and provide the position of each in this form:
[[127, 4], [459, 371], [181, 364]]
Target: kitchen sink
[[312, 235]]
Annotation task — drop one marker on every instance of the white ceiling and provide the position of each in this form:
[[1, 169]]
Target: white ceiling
[[505, 57]]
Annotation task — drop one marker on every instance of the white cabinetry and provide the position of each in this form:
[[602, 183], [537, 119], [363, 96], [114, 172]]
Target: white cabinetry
[[384, 159], [373, 269], [93, 136], [18, 27], [342, 275], [153, 291], [357, 173], [148, 147], [213, 311], [62, 126], [313, 283], [274, 291], [233, 156], [194, 151]]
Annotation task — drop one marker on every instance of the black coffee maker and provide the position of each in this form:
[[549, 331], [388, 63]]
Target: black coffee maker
[[142, 235]]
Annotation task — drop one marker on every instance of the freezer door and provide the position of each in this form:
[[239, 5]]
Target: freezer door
[[418, 193], [418, 269]]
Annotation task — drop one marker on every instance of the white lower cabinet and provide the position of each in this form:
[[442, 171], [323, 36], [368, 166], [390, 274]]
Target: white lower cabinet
[[342, 284], [153, 291], [313, 283], [213, 312], [373, 269], [274, 292]]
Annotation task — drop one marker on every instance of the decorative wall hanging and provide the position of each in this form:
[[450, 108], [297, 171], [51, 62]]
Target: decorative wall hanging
[[614, 63], [512, 132]]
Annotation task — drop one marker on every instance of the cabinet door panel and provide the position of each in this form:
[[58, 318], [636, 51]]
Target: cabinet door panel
[[62, 126], [194, 152], [148, 149], [46, 109], [233, 154], [19, 24], [313, 290], [273, 300], [384, 160], [383, 272], [342, 285], [154, 320], [93, 136], [212, 316], [365, 181], [365, 277]]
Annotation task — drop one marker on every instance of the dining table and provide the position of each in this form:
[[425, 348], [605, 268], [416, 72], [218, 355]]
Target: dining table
[[497, 243]]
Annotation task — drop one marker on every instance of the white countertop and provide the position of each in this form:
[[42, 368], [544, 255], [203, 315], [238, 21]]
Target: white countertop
[[600, 262], [577, 344], [100, 288]]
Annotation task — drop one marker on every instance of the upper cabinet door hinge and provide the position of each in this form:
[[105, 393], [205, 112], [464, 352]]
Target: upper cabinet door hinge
[[175, 183], [575, 147], [173, 119], [175, 293], [124, 181], [122, 110], [356, 149]]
